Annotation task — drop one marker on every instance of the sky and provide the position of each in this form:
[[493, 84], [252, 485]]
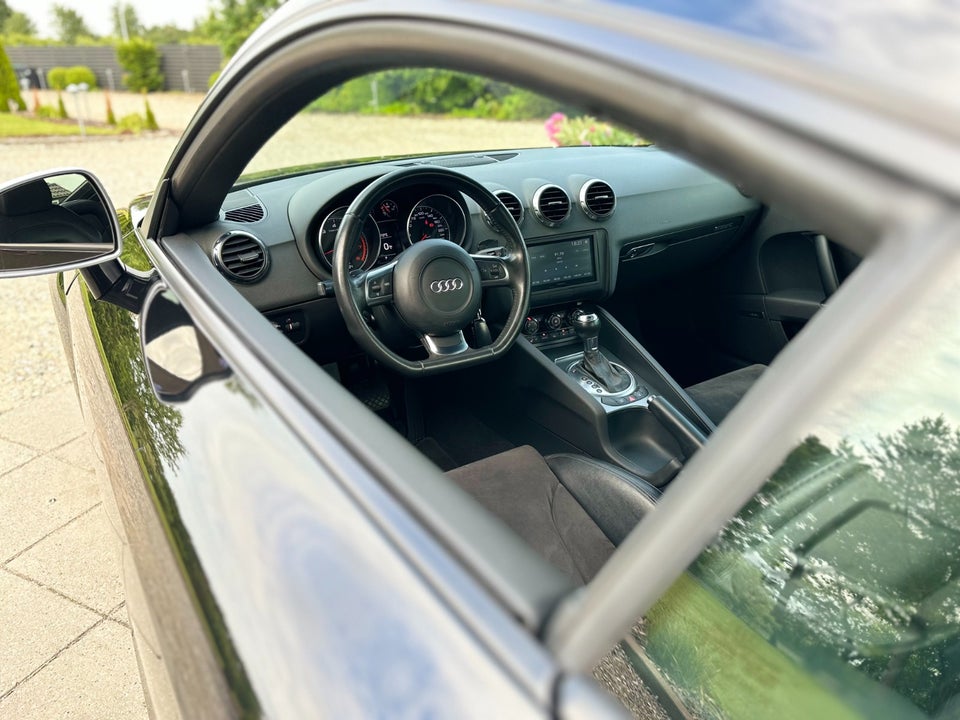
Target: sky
[[96, 13]]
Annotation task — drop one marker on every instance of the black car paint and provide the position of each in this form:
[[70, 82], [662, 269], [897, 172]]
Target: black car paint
[[191, 486]]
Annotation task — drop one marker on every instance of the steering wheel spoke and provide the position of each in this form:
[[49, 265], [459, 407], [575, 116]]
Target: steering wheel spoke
[[494, 271], [445, 345], [375, 287]]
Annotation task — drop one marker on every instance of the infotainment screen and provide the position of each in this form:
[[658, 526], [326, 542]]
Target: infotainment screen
[[565, 262]]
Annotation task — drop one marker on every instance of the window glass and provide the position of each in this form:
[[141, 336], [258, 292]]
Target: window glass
[[426, 111], [836, 591]]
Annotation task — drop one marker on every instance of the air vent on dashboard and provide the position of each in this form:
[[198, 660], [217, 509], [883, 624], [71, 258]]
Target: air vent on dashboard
[[247, 214], [597, 199], [241, 256], [551, 205], [513, 205]]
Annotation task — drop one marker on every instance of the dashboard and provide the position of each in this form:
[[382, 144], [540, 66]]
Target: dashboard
[[594, 220]]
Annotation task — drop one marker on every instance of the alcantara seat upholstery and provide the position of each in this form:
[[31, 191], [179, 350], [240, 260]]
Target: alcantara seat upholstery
[[571, 509]]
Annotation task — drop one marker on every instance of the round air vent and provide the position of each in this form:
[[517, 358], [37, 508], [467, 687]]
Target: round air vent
[[241, 256], [597, 199], [513, 205], [551, 205]]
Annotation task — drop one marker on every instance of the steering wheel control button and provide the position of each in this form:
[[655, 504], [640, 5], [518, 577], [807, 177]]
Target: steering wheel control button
[[379, 287], [491, 270]]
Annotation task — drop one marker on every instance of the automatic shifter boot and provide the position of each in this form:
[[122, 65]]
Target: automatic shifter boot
[[596, 365], [587, 327]]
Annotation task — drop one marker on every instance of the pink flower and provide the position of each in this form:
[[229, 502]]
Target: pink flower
[[552, 126]]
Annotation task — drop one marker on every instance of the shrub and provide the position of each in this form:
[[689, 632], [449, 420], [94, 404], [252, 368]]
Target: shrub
[[81, 74], [61, 108], [524, 105], [212, 79], [57, 78], [9, 87], [586, 130], [132, 123], [149, 119], [46, 112], [141, 60]]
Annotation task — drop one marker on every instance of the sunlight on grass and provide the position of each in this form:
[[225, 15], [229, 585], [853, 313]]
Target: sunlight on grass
[[21, 126]]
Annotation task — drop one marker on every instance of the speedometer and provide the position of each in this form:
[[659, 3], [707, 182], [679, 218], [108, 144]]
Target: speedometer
[[365, 249], [437, 216], [427, 222]]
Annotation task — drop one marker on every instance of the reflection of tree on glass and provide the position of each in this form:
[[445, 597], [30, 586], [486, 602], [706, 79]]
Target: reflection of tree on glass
[[850, 556]]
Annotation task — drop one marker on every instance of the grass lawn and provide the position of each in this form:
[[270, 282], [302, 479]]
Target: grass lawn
[[733, 671], [20, 126]]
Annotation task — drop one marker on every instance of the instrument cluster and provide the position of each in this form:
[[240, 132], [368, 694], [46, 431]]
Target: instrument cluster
[[398, 221]]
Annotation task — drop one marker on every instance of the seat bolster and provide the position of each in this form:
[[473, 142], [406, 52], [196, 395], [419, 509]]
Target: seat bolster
[[718, 396], [615, 499]]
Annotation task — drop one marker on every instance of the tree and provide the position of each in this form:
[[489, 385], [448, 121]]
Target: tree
[[5, 12], [9, 87], [69, 24], [17, 23], [168, 34], [126, 23], [234, 20]]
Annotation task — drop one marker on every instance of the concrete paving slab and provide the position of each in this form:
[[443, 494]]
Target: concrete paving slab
[[14, 455], [94, 678], [120, 616], [31, 354], [79, 561], [35, 624], [39, 497], [46, 422], [78, 453]]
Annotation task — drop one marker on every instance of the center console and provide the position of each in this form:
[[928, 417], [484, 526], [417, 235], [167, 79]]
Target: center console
[[588, 381], [578, 381]]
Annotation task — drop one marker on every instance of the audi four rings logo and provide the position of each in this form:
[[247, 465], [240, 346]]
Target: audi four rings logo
[[448, 285]]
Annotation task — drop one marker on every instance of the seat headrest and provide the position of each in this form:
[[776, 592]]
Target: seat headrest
[[32, 197]]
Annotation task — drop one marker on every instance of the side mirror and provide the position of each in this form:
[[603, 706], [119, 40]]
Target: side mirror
[[54, 221]]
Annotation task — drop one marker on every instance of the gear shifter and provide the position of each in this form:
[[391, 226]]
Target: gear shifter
[[587, 327]]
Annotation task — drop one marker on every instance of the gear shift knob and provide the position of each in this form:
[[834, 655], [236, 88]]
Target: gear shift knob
[[587, 327]]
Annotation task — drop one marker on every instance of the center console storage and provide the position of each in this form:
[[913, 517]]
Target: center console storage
[[645, 424]]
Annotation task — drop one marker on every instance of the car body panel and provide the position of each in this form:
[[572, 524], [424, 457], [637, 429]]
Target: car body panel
[[293, 554], [283, 547]]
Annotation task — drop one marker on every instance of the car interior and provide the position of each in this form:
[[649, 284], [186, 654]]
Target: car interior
[[645, 295]]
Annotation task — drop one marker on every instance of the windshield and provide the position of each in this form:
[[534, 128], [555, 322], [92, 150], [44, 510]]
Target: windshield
[[425, 111]]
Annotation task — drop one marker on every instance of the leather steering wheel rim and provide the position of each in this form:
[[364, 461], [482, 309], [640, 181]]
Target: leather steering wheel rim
[[511, 270]]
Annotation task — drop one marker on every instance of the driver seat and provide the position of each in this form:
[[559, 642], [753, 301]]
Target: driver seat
[[571, 509]]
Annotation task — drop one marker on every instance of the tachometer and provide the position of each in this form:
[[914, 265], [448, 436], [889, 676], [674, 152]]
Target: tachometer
[[365, 250]]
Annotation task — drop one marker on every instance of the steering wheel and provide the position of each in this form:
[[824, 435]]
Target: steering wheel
[[435, 286]]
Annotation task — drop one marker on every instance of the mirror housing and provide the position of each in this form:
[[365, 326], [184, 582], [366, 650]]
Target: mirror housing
[[54, 221]]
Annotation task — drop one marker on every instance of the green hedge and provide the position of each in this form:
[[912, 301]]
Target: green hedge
[[59, 78], [141, 60], [414, 91]]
